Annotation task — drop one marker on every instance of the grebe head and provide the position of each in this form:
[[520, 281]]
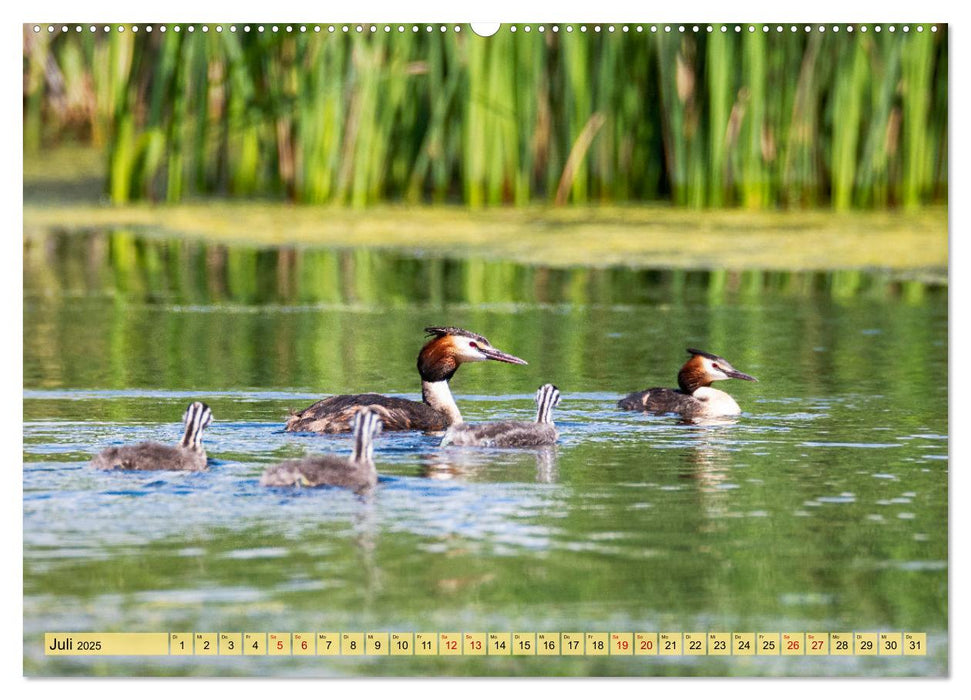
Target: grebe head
[[196, 417], [547, 398], [450, 347], [704, 368], [366, 425]]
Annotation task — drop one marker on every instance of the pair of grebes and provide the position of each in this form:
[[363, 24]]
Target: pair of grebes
[[366, 414]]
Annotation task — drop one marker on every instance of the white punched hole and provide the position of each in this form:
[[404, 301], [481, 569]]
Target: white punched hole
[[485, 28]]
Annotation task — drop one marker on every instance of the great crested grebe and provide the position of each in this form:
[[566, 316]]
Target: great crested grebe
[[356, 472], [188, 455], [511, 433], [695, 398], [437, 362]]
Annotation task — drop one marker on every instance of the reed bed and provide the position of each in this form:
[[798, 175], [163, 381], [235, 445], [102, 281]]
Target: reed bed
[[755, 119]]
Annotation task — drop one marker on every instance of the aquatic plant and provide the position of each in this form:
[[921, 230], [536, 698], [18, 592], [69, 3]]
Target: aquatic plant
[[736, 116]]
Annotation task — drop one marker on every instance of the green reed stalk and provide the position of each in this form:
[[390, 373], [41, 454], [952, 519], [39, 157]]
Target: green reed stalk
[[122, 146], [179, 123], [37, 49], [431, 164], [880, 143], [851, 87], [799, 175], [242, 142], [152, 145], [754, 183], [720, 60], [474, 142], [673, 118], [579, 105], [916, 80]]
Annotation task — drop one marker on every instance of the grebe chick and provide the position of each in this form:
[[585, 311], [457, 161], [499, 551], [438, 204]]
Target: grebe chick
[[438, 361], [188, 455], [356, 472], [512, 433], [695, 399]]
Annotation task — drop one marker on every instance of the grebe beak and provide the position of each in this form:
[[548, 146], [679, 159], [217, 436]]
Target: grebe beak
[[499, 355], [735, 374]]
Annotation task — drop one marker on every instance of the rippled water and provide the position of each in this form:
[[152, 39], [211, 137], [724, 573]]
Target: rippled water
[[823, 508]]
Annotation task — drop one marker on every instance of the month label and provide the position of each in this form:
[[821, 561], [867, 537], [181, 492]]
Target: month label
[[106, 644]]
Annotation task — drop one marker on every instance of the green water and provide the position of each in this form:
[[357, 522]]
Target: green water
[[822, 508]]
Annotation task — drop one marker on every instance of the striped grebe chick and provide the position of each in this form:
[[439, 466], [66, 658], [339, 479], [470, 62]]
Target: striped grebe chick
[[188, 455], [512, 433], [356, 472], [438, 361], [695, 398]]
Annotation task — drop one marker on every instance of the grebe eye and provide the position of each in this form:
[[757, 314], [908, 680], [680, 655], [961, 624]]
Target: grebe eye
[[715, 365], [472, 344]]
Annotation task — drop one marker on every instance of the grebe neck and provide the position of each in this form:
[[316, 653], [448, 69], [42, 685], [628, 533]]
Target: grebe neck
[[439, 396], [693, 376]]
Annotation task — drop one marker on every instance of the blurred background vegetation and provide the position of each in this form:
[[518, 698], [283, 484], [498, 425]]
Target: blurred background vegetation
[[755, 119]]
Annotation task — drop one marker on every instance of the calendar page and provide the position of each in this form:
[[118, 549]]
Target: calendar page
[[485, 350]]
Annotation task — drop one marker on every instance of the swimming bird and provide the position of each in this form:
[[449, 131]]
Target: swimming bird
[[188, 455], [356, 472], [438, 361], [695, 398], [511, 433]]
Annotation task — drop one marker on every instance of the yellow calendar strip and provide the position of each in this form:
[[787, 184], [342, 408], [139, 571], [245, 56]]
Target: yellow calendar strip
[[508, 644]]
